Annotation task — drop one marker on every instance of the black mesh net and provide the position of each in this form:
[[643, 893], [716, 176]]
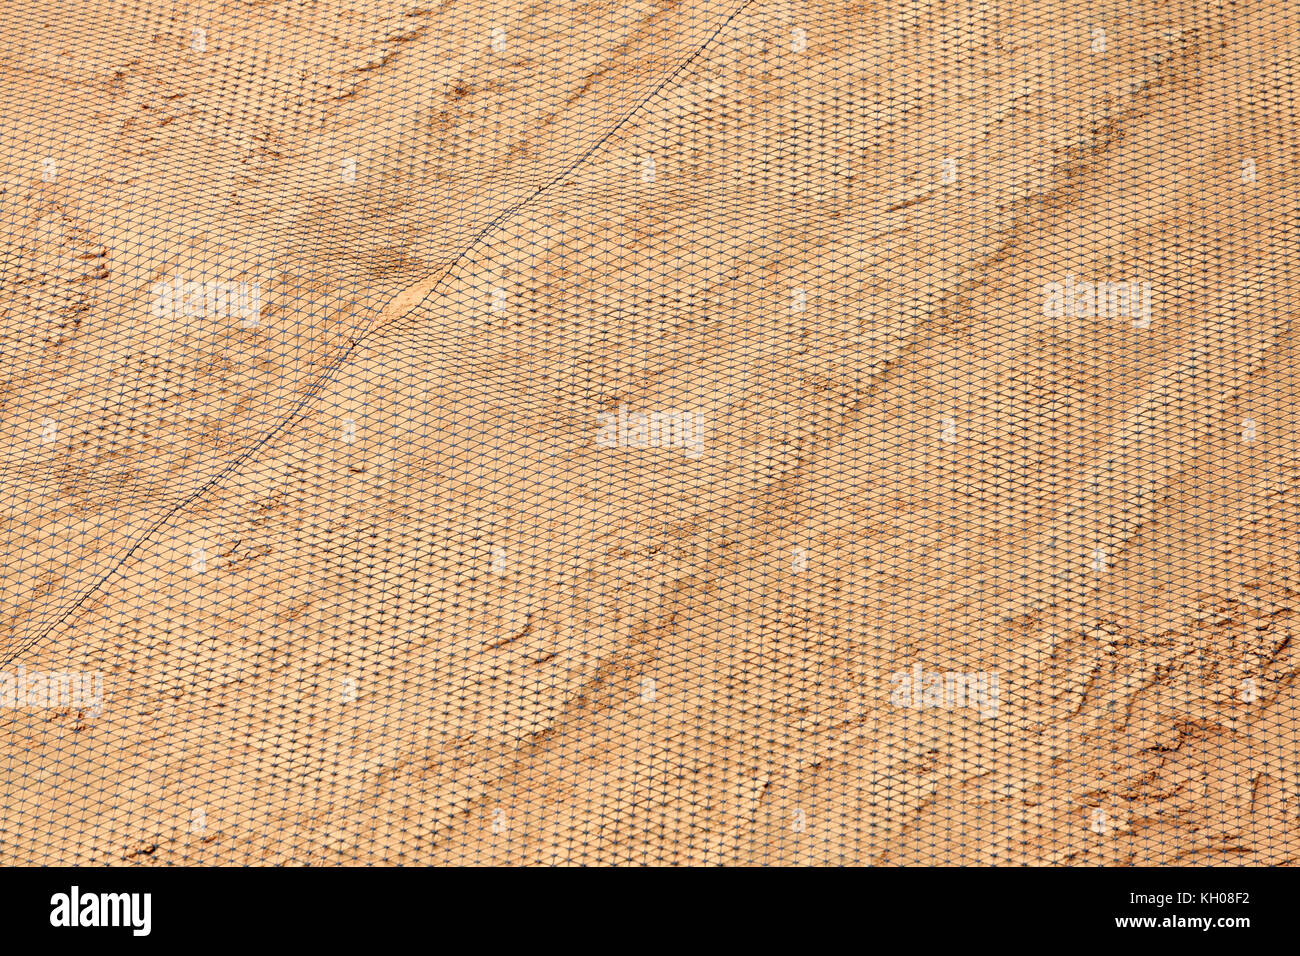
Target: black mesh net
[[690, 431]]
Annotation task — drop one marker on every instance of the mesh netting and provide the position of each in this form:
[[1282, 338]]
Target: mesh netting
[[691, 431]]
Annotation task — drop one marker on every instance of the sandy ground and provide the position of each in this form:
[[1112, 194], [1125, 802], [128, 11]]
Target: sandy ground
[[649, 432]]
